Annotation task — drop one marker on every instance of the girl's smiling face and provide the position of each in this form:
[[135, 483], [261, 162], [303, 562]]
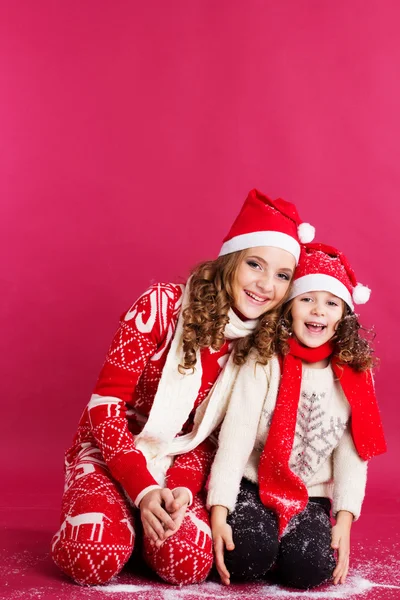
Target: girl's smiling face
[[261, 280], [315, 316]]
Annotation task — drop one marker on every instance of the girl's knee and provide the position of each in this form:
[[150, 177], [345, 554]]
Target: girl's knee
[[306, 558], [306, 580], [90, 563], [179, 561], [256, 546], [252, 558], [96, 537], [92, 547], [305, 572]]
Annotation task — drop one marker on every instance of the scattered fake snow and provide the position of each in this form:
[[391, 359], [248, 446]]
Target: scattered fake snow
[[354, 586], [369, 579]]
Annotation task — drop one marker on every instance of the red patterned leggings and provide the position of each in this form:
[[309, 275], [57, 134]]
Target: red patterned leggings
[[97, 536]]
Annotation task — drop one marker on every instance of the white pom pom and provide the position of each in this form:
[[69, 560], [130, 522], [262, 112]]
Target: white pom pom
[[306, 232], [361, 294]]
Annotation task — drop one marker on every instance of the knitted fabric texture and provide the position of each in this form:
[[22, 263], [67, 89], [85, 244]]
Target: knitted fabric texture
[[323, 453], [176, 395], [99, 530], [280, 488], [124, 394]]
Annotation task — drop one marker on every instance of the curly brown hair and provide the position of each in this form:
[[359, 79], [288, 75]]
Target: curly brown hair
[[350, 346], [204, 320]]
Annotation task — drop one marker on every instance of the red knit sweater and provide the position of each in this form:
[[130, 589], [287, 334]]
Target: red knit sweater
[[129, 379]]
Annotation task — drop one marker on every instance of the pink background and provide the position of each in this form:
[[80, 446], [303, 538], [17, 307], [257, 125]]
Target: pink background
[[131, 133]]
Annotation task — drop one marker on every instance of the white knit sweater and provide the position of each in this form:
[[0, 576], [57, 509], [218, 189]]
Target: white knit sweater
[[323, 453]]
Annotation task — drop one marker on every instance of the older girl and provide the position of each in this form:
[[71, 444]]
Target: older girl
[[161, 392]]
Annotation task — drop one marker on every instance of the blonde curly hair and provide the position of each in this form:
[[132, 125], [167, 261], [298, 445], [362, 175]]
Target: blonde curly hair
[[204, 320]]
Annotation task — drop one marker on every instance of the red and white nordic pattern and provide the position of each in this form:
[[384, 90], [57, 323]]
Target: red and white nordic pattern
[[95, 539], [97, 535], [126, 387], [187, 556]]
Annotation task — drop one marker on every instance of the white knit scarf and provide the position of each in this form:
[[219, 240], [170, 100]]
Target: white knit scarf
[[176, 396]]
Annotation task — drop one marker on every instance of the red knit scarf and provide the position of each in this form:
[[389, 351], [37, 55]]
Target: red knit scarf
[[280, 488]]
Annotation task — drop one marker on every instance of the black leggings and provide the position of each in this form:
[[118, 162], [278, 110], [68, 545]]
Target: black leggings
[[302, 558]]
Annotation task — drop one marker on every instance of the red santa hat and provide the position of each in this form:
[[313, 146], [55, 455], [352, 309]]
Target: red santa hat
[[266, 222], [323, 268]]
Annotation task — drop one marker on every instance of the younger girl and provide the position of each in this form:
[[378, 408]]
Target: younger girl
[[304, 437], [156, 399]]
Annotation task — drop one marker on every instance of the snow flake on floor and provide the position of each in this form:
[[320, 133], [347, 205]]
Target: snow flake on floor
[[354, 586], [375, 575]]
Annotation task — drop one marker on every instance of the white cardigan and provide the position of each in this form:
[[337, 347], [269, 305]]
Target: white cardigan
[[323, 453]]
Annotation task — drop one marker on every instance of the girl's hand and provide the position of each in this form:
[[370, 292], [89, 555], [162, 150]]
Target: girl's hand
[[181, 501], [222, 538], [341, 543], [155, 517]]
